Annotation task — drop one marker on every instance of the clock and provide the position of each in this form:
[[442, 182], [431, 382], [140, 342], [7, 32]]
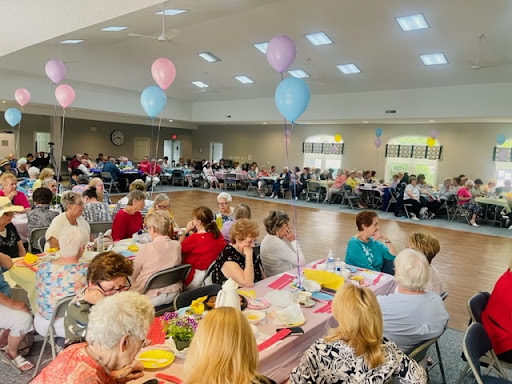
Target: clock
[[117, 137]]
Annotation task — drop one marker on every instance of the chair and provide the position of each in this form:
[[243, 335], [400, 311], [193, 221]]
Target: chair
[[252, 188], [109, 182], [448, 205], [164, 177], [178, 176], [196, 178], [314, 190], [461, 211], [420, 352], [392, 198], [185, 298], [349, 195], [36, 234], [206, 276], [230, 181], [60, 311], [100, 226], [406, 209], [41, 243]]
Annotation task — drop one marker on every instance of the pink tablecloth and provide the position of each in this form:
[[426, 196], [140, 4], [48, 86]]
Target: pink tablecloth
[[239, 175], [20, 221]]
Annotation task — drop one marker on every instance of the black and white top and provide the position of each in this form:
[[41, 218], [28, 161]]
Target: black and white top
[[9, 241], [96, 212], [335, 363], [231, 254], [39, 217]]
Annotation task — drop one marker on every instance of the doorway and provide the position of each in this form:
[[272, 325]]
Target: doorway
[[216, 150], [140, 148], [172, 149]]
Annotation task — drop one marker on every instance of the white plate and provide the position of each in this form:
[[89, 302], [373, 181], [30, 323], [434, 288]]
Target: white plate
[[311, 286]]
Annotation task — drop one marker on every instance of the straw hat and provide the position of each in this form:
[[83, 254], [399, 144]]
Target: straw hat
[[353, 171], [6, 205], [4, 162]]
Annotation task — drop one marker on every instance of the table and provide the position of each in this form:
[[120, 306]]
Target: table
[[277, 361], [486, 202], [240, 176]]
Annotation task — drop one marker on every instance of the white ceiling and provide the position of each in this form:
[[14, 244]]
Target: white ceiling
[[364, 32]]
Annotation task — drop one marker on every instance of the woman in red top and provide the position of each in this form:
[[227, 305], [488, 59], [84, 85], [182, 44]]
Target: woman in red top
[[201, 243], [497, 316], [8, 183], [464, 199], [129, 220]]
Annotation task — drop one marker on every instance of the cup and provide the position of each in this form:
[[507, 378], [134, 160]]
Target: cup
[[304, 297]]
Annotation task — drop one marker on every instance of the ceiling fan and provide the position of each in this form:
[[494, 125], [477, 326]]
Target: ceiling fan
[[163, 36], [476, 64]]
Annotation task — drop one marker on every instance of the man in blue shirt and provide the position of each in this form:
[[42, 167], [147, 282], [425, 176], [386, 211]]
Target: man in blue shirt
[[111, 168]]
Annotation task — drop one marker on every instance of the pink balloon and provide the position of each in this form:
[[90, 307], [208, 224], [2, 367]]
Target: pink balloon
[[164, 72], [286, 140], [55, 70], [433, 134], [503, 154], [378, 142], [287, 132], [22, 96], [65, 95], [281, 52]]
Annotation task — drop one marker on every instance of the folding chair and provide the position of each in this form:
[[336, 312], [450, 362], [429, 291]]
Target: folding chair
[[349, 196], [109, 182], [178, 176], [252, 188], [420, 352], [406, 209], [196, 178], [314, 190], [206, 278], [185, 298], [461, 211], [100, 226], [230, 181], [35, 235], [447, 206]]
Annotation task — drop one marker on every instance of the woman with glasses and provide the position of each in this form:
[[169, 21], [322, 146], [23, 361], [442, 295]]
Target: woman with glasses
[[8, 182], [100, 189], [162, 204], [107, 275], [71, 217], [59, 278], [225, 210]]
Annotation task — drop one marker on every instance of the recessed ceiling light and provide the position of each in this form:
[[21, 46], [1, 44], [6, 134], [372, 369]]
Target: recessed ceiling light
[[209, 57], [412, 23], [171, 12], [319, 38], [298, 73], [264, 122], [348, 69], [244, 79], [200, 84], [72, 41], [365, 122], [431, 121], [3, 101], [113, 29], [434, 59], [170, 120], [262, 47]]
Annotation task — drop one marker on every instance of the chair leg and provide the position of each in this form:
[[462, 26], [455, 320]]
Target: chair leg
[[441, 367], [38, 364], [52, 343], [464, 373]]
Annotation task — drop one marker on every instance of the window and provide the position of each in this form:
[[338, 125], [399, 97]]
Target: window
[[216, 152], [503, 169], [323, 160]]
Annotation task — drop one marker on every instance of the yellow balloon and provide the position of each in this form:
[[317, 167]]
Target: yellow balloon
[[337, 138], [430, 142]]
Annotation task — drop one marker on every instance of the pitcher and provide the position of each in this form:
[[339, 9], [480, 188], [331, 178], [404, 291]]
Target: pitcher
[[228, 295]]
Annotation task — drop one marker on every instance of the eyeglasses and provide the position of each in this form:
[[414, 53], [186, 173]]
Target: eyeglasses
[[113, 291], [222, 203], [162, 206], [80, 203]]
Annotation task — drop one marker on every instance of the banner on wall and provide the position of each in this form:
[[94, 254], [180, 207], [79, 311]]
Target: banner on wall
[[323, 148], [414, 151]]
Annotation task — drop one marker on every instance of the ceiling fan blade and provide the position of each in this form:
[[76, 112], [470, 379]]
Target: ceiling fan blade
[[137, 35]]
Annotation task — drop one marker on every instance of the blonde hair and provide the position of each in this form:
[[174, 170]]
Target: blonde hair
[[46, 173], [94, 183], [223, 351], [425, 243], [137, 184], [359, 323], [412, 270], [243, 228], [160, 222], [7, 176], [160, 198]]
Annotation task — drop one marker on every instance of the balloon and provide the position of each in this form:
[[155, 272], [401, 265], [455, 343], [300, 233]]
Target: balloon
[[12, 116], [378, 132], [433, 134], [337, 138], [153, 100], [500, 139], [22, 96], [64, 95], [292, 98], [378, 142], [287, 133], [430, 142], [55, 70], [503, 154], [164, 72], [281, 52]]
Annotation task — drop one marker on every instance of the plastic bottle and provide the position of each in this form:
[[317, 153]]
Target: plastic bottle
[[338, 266], [330, 261], [99, 243]]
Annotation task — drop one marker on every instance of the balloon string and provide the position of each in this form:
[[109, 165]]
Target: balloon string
[[158, 136], [61, 143], [151, 159], [17, 140]]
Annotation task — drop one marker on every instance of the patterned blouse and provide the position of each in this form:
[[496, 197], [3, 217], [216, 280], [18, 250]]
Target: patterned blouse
[[39, 217], [96, 212], [231, 254], [9, 241], [335, 363]]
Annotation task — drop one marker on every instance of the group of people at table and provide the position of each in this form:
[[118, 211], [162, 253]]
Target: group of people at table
[[372, 338]]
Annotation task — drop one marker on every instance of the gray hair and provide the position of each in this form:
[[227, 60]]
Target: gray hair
[[136, 195], [46, 182], [275, 220], [112, 160], [242, 211], [160, 221], [82, 179], [69, 197], [412, 270], [225, 195], [33, 172], [71, 240], [22, 161], [160, 198], [470, 183], [127, 313]]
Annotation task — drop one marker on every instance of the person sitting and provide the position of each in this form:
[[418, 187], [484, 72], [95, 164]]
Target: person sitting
[[497, 316], [62, 277], [507, 186], [102, 195], [22, 168], [51, 184], [116, 333], [201, 243], [123, 202], [280, 251], [110, 167], [252, 176], [456, 183], [412, 197], [84, 168], [359, 177], [75, 162], [40, 216], [476, 190], [89, 161], [162, 204], [94, 210], [364, 250], [33, 174], [237, 261], [447, 190], [72, 216], [125, 163], [396, 180], [129, 219], [161, 253], [151, 173], [210, 176], [282, 181], [489, 188], [430, 247], [224, 200], [10, 241], [107, 275], [336, 186], [212, 359], [8, 182], [261, 183], [356, 351], [464, 200], [351, 180], [241, 211], [412, 315], [82, 182]]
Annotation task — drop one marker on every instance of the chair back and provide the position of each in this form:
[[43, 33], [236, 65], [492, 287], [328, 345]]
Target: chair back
[[100, 226], [166, 277], [61, 308], [420, 350], [476, 305], [41, 243], [206, 278], [313, 186], [178, 173], [475, 344], [347, 188], [34, 235], [106, 177], [185, 298]]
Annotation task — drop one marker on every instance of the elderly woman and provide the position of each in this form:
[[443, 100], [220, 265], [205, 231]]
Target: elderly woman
[[8, 182], [282, 181], [223, 350], [22, 168], [280, 251], [261, 183], [44, 174], [71, 217], [51, 184], [241, 211], [107, 275], [224, 200], [364, 250], [82, 183], [33, 174], [162, 204], [489, 188], [210, 176], [161, 253], [357, 345], [116, 333], [129, 219], [447, 190], [412, 315], [464, 200], [336, 186], [62, 277], [40, 216], [135, 185], [100, 189], [430, 247], [201, 243], [412, 197], [477, 190], [237, 261], [94, 210], [10, 241]]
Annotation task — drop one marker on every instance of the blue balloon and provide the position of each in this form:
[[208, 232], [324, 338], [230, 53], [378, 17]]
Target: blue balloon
[[500, 139], [378, 132], [12, 116], [292, 98], [153, 100]]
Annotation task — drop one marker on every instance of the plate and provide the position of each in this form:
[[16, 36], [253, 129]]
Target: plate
[[321, 296], [156, 354], [243, 302], [257, 303], [351, 268], [296, 324], [309, 304]]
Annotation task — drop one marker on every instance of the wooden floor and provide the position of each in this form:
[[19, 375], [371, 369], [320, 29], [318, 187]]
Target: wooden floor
[[468, 262]]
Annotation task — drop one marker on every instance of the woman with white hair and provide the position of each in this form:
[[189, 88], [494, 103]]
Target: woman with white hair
[[62, 277], [51, 184], [464, 200], [33, 174], [162, 203], [412, 315], [224, 200], [116, 333], [22, 167]]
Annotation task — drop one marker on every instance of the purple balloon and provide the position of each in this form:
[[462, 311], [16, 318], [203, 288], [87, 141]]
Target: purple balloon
[[378, 142], [281, 52], [55, 70], [287, 133], [433, 134], [503, 154]]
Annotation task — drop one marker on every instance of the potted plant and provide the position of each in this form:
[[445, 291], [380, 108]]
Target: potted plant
[[180, 328]]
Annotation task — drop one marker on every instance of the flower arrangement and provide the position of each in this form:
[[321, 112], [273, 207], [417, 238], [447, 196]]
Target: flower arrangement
[[180, 328]]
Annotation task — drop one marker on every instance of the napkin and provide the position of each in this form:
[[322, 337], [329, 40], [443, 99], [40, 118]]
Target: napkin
[[324, 278], [290, 315]]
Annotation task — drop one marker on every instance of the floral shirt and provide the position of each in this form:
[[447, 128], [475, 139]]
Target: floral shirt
[[96, 212], [231, 254]]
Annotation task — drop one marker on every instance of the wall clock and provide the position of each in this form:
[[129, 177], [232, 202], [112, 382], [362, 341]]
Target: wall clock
[[117, 137]]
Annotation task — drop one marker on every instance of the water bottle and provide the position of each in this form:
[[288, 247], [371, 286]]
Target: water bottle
[[338, 266], [100, 243], [330, 261]]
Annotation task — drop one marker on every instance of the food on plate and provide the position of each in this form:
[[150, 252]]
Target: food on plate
[[210, 303], [359, 279]]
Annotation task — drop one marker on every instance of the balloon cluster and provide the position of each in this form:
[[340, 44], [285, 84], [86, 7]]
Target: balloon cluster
[[431, 141], [152, 98], [56, 71], [13, 115], [378, 141]]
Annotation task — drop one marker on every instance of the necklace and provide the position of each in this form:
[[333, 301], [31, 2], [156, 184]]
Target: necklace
[[95, 357]]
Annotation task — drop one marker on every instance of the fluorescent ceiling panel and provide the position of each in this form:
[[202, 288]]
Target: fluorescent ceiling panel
[[209, 57], [319, 38], [298, 73], [72, 41], [262, 47], [434, 59], [171, 12], [348, 69], [200, 84], [113, 29], [412, 23], [244, 79]]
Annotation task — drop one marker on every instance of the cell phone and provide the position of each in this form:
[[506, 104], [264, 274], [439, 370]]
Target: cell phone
[[151, 381], [294, 330]]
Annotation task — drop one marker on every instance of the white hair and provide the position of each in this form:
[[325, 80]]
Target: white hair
[[127, 313], [470, 183], [33, 172], [22, 161], [225, 195], [71, 239], [412, 270], [49, 180]]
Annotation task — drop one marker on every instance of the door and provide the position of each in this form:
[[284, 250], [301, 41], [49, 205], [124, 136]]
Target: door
[[140, 148], [215, 152], [172, 149], [41, 140], [6, 144]]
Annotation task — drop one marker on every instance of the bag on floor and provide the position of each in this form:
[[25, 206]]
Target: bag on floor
[[424, 213]]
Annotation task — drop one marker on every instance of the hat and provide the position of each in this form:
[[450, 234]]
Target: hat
[[6, 205], [4, 162], [352, 171]]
